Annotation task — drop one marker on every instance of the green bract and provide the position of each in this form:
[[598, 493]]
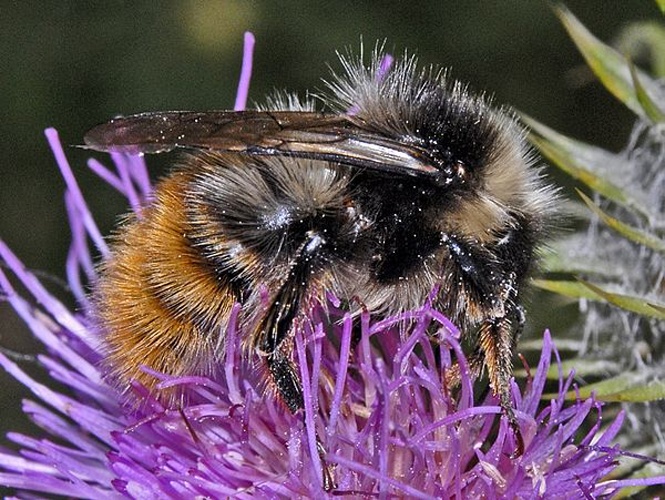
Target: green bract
[[615, 266]]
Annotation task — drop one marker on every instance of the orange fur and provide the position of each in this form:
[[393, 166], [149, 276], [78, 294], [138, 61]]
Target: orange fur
[[151, 290]]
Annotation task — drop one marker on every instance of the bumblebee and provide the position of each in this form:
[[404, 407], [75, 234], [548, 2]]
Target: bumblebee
[[405, 183]]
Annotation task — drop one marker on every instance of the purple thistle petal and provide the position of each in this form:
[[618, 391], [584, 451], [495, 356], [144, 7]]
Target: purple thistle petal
[[72, 185], [310, 406], [537, 385], [139, 171], [78, 257], [245, 72], [67, 431], [122, 160], [618, 484], [232, 358], [384, 66], [80, 383], [42, 327], [345, 349], [611, 431], [106, 175], [133, 174]]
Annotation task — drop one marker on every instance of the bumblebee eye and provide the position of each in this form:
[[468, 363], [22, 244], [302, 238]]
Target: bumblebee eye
[[453, 174]]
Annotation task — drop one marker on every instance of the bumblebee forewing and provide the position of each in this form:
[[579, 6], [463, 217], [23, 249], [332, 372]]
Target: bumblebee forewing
[[310, 135]]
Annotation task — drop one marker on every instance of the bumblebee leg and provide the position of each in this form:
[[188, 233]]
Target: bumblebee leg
[[475, 363], [496, 340], [275, 329], [491, 292], [520, 316], [289, 387], [286, 380]]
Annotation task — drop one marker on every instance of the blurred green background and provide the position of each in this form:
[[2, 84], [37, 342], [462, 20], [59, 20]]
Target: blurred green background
[[74, 64]]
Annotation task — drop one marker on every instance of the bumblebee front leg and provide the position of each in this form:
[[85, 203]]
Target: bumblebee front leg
[[286, 380], [276, 332], [496, 340], [289, 387], [490, 294]]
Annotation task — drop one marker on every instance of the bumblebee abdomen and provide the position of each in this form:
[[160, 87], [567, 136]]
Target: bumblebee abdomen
[[158, 302]]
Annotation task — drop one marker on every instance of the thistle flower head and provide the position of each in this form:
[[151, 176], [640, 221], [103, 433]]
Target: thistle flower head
[[383, 412], [381, 408]]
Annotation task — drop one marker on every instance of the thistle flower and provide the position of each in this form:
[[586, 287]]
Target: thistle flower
[[389, 424]]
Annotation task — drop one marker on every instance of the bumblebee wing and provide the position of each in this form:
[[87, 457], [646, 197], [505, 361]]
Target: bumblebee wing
[[318, 136]]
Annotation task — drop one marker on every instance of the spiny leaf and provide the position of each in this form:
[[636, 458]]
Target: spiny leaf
[[641, 35], [653, 391], [582, 368], [631, 303], [630, 469], [563, 344], [658, 308], [580, 160], [581, 289], [651, 109], [610, 67], [567, 256], [568, 288], [556, 262], [627, 387], [636, 235], [604, 387]]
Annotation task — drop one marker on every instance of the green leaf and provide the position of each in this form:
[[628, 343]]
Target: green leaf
[[644, 39], [651, 109], [563, 344], [653, 391], [612, 385], [624, 388], [658, 308], [557, 262], [567, 288], [639, 305], [565, 255], [610, 67], [637, 235], [634, 468], [579, 160], [661, 4], [583, 368], [564, 265], [581, 289]]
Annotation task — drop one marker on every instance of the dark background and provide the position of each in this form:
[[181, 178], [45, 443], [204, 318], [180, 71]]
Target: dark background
[[74, 64]]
